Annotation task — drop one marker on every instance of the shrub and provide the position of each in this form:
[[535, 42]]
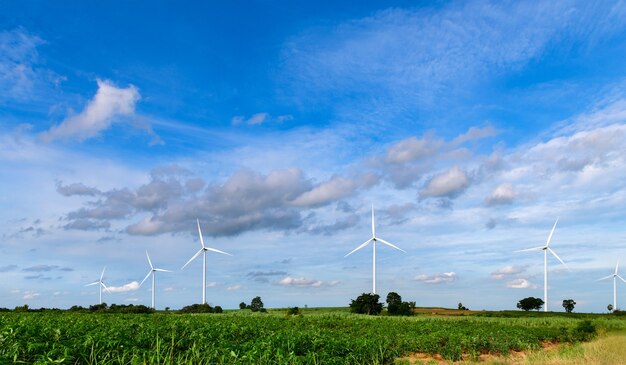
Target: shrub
[[197, 308], [293, 311]]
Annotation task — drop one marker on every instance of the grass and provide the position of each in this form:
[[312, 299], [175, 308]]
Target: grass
[[319, 336]]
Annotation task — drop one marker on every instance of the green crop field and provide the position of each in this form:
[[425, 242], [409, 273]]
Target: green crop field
[[241, 337]]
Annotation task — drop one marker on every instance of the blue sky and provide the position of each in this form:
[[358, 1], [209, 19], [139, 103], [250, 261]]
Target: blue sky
[[471, 126]]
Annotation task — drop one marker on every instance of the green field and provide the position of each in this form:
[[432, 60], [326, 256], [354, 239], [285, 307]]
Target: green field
[[319, 336]]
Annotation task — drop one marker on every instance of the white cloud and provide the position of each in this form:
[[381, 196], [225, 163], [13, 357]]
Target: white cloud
[[30, 295], [327, 192], [212, 284], [502, 194], [300, 282], [234, 287], [108, 105], [133, 285], [132, 299], [446, 184], [520, 284], [412, 149], [442, 278], [475, 133], [507, 271], [259, 118]]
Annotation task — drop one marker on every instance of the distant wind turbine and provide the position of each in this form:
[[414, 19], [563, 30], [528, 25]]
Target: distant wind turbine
[[101, 282], [614, 276], [152, 271], [545, 249], [203, 250], [374, 239]]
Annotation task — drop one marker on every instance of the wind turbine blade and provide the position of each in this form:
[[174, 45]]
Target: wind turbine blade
[[557, 256], [94, 283], [531, 249], [606, 277], [360, 247], [193, 258], [621, 278], [146, 278], [616, 267], [200, 233], [150, 262], [390, 244], [162, 270], [373, 227], [552, 232], [102, 275], [105, 287], [216, 250]]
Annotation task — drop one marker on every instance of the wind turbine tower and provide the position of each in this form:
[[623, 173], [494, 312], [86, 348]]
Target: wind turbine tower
[[545, 250], [615, 275], [203, 251], [374, 240], [152, 272], [101, 282]]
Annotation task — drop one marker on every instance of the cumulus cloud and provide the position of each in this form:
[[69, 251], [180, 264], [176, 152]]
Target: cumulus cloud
[[332, 190], [264, 276], [412, 149], [448, 184], [442, 278], [76, 189], [330, 229], [108, 106], [520, 284], [304, 282], [133, 285], [507, 271], [28, 295], [502, 194], [475, 133]]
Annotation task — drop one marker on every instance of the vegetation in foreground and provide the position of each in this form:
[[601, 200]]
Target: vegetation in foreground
[[245, 337]]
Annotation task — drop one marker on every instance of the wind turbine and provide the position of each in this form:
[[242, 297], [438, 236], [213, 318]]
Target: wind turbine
[[614, 276], [374, 239], [101, 282], [203, 249], [152, 271], [545, 249]]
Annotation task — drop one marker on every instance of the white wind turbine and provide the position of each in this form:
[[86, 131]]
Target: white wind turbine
[[614, 276], [545, 249], [203, 249], [152, 271], [101, 282], [374, 239]]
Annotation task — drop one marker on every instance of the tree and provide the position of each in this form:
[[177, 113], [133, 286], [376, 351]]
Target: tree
[[610, 307], [243, 305], [366, 304], [462, 307], [529, 303], [394, 301], [569, 304], [256, 304], [393, 298]]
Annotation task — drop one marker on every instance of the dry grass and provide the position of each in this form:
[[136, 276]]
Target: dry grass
[[609, 349]]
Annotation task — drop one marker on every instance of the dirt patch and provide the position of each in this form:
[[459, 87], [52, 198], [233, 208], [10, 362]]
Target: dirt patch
[[424, 358]]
